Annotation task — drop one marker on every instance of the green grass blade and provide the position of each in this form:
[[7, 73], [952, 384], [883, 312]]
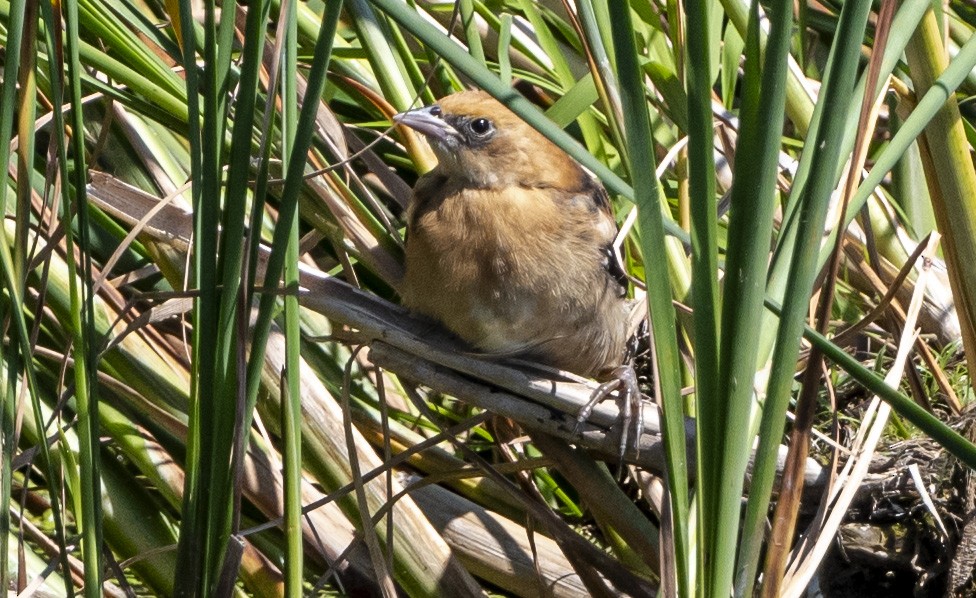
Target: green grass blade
[[951, 178], [288, 206], [373, 36], [824, 156], [291, 404], [952, 441], [82, 322], [11, 356], [640, 147], [799, 106], [715, 548], [191, 561], [471, 34], [754, 201]]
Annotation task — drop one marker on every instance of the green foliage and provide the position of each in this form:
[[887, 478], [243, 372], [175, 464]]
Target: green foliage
[[179, 179]]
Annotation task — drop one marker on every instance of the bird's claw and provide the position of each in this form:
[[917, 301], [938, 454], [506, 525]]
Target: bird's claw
[[623, 381]]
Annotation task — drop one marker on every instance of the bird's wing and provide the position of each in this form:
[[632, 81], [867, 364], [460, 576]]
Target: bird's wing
[[601, 199]]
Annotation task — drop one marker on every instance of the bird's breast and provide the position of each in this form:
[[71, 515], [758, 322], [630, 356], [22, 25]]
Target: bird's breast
[[513, 271]]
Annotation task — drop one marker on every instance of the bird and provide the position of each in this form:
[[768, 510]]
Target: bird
[[510, 244]]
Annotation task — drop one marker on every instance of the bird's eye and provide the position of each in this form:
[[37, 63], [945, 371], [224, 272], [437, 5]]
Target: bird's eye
[[435, 110], [480, 126]]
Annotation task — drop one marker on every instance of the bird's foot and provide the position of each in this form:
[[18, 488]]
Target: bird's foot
[[623, 382]]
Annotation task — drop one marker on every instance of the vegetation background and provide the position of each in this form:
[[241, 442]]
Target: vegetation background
[[203, 239]]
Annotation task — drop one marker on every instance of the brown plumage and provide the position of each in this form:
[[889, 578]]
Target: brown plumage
[[509, 241]]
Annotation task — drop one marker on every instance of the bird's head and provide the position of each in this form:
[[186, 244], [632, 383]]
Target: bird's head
[[476, 137]]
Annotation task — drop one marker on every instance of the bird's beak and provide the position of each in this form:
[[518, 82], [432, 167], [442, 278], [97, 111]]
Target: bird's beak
[[427, 121]]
